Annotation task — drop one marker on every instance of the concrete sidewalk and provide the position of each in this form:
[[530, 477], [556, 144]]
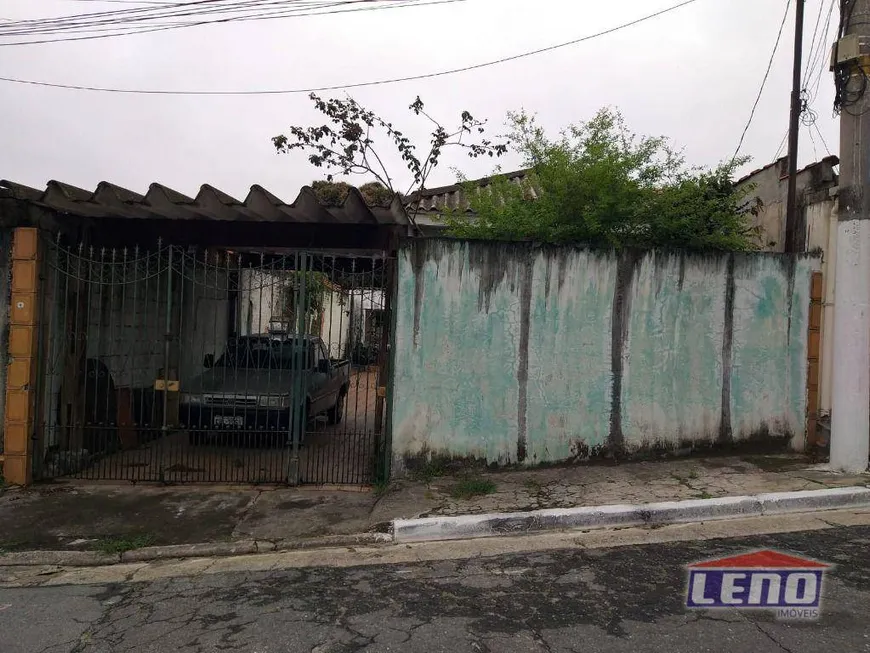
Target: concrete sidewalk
[[116, 518]]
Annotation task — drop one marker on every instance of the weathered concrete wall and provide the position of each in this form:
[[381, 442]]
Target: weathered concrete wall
[[507, 353], [769, 197]]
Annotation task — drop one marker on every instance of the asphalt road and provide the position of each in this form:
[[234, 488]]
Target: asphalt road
[[624, 599]]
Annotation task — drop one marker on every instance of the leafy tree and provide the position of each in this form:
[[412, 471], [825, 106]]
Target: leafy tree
[[348, 143], [600, 184]]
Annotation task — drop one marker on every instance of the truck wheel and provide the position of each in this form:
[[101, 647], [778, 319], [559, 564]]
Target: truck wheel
[[337, 412]]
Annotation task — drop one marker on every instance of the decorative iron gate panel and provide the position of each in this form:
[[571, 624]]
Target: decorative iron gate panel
[[231, 366]]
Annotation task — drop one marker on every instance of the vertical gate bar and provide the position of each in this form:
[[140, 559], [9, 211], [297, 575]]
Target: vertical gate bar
[[304, 356], [45, 299], [86, 344], [138, 424], [199, 430], [181, 426], [261, 413], [75, 409], [164, 455], [229, 438], [212, 436], [220, 437], [362, 439], [46, 397], [123, 339], [101, 359], [166, 336], [357, 324], [298, 284], [379, 454], [110, 380], [97, 433], [155, 443]]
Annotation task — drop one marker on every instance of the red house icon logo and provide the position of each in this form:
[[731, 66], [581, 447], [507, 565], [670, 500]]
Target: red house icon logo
[[760, 580]]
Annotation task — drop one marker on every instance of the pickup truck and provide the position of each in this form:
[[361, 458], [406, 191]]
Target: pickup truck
[[250, 387]]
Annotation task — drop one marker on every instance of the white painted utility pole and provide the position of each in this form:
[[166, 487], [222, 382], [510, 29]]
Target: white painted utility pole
[[850, 409]]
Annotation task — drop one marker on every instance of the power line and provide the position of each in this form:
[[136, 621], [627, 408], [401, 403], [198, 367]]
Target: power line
[[819, 61], [811, 51], [126, 25], [813, 141], [763, 81], [781, 145], [824, 142], [338, 87], [168, 10]]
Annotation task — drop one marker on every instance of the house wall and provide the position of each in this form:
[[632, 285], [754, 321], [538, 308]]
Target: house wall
[[506, 353], [822, 219], [770, 186], [260, 299], [817, 201], [335, 323]]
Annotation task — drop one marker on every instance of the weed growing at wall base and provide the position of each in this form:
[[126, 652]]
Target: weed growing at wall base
[[125, 543], [471, 487]]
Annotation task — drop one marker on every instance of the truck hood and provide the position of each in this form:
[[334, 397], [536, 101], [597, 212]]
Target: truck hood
[[243, 382]]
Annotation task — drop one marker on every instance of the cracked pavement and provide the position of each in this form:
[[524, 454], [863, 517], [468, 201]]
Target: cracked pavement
[[76, 516], [621, 599]]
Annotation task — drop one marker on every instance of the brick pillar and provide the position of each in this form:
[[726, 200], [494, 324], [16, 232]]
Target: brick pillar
[[20, 380], [814, 355]]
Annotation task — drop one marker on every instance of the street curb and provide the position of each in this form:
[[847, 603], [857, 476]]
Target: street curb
[[429, 529], [181, 551]]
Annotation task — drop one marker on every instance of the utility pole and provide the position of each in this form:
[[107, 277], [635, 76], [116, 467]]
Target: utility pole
[[791, 220], [850, 410]]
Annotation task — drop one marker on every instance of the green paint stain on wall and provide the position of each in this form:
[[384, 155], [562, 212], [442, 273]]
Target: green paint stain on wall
[[455, 386], [672, 388]]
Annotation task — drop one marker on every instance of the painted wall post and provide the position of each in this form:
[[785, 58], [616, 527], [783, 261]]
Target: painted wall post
[[20, 382], [850, 403], [813, 358]]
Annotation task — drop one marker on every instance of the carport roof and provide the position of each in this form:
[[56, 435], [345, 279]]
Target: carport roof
[[163, 203]]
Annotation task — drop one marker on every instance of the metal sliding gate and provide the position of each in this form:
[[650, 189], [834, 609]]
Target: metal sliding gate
[[177, 364]]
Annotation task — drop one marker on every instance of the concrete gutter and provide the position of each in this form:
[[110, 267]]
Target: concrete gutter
[[181, 551], [624, 516]]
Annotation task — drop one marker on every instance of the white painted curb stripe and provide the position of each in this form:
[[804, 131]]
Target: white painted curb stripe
[[589, 517]]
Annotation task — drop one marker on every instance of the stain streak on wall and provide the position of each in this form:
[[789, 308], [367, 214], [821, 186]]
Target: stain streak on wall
[[511, 353], [622, 296], [523, 363], [725, 432]]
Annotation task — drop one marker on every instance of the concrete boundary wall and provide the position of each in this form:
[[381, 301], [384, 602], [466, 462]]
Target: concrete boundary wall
[[508, 353]]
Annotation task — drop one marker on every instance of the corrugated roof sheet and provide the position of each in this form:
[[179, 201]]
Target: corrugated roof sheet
[[435, 200], [161, 202]]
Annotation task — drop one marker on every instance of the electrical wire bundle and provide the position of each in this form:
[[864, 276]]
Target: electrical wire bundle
[[850, 78], [168, 15]]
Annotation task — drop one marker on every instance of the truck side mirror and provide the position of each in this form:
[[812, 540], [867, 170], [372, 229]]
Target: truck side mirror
[[208, 361], [323, 366]]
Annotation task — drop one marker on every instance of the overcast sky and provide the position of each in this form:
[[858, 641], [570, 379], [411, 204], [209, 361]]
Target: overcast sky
[[691, 75]]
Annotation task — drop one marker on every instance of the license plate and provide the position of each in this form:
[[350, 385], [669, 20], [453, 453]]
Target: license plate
[[229, 420]]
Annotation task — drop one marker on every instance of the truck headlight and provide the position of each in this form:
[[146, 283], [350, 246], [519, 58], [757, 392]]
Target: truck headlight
[[274, 402]]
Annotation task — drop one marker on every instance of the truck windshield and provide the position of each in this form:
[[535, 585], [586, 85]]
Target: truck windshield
[[265, 354]]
